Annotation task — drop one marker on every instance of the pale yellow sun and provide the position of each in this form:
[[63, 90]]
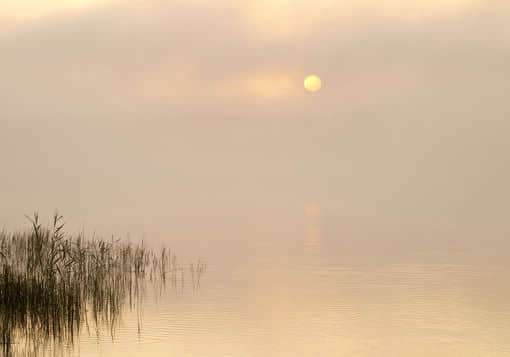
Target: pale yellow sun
[[312, 83]]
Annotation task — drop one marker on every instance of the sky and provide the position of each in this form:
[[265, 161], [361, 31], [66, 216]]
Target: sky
[[121, 114]]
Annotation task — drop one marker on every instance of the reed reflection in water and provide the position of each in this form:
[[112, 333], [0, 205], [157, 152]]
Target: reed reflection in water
[[53, 285]]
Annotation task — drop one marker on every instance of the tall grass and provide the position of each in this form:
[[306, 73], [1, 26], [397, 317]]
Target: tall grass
[[51, 284]]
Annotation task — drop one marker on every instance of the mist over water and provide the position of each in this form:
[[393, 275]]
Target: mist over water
[[298, 292], [367, 219], [359, 237]]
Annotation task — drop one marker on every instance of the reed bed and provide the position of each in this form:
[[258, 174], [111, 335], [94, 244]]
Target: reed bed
[[52, 285]]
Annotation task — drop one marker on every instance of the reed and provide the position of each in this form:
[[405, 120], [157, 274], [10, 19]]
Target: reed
[[51, 283]]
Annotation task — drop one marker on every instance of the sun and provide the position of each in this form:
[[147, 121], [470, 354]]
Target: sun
[[312, 83]]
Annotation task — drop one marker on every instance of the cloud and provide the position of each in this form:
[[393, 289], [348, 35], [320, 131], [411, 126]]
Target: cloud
[[28, 10], [411, 120], [147, 56]]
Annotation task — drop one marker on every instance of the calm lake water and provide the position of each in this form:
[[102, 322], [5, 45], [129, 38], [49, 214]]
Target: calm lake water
[[328, 287]]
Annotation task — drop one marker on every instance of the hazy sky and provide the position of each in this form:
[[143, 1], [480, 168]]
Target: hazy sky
[[129, 112]]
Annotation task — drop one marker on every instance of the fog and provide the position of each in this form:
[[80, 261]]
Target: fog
[[163, 117]]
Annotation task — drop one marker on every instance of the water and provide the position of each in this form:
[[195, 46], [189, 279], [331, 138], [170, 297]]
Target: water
[[343, 288]]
